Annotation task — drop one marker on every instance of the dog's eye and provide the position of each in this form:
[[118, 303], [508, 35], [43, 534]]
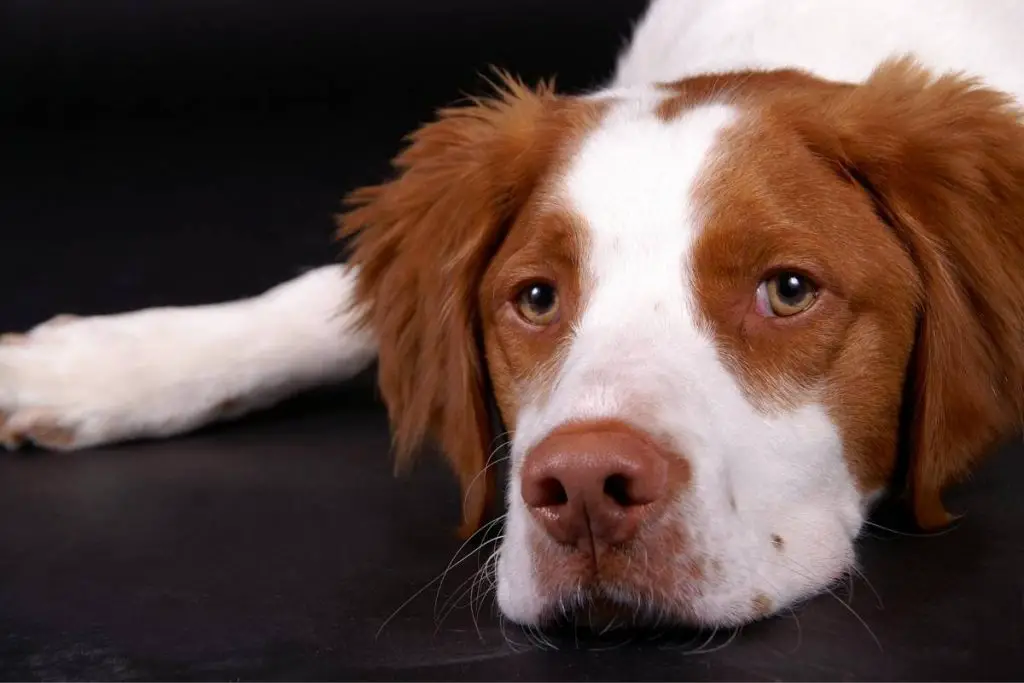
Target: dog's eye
[[785, 294], [537, 303]]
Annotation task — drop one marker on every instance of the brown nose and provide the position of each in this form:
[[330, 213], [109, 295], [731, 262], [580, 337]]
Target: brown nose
[[594, 485]]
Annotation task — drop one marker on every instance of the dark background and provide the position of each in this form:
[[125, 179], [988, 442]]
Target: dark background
[[187, 151]]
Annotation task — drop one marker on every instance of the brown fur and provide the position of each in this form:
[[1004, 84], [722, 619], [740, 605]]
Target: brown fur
[[422, 243], [943, 161], [771, 205], [940, 163], [546, 245], [733, 86]]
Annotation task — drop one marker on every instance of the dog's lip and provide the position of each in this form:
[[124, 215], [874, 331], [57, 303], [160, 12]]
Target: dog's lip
[[593, 612], [600, 609]]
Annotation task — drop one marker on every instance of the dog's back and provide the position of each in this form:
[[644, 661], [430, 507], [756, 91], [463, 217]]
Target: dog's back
[[842, 40]]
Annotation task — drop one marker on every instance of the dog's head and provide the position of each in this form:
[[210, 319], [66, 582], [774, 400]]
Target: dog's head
[[711, 315]]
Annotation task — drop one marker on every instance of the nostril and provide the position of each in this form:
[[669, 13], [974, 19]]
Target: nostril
[[550, 492], [616, 487]]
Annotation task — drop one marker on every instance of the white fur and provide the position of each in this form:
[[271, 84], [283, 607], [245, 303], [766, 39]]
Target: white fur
[[838, 39], [164, 371]]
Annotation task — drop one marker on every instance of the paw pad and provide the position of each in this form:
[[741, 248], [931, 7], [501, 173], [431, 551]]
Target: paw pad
[[40, 429]]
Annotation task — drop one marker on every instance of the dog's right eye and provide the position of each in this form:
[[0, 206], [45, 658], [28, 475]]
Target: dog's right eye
[[537, 303]]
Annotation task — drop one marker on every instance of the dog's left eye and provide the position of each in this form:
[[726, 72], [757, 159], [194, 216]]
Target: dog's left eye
[[785, 294], [537, 303]]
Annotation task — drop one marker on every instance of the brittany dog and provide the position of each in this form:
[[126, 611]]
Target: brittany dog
[[767, 275]]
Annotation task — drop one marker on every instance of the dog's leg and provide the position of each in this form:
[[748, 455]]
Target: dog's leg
[[72, 383]]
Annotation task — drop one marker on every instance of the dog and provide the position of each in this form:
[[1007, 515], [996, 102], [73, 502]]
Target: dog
[[767, 275]]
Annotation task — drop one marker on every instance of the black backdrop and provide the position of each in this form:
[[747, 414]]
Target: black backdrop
[[185, 151]]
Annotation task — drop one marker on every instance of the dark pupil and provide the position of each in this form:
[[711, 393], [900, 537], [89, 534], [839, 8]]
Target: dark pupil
[[791, 288], [540, 297]]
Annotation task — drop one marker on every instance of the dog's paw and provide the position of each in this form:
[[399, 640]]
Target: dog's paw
[[73, 383], [54, 381], [40, 427], [77, 382]]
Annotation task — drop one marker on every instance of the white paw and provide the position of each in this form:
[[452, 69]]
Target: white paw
[[42, 397], [72, 383]]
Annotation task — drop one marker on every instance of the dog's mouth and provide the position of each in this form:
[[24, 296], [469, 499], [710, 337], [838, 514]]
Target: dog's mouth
[[633, 586], [604, 608], [595, 611]]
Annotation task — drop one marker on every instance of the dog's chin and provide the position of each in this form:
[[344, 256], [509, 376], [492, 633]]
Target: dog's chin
[[602, 610], [593, 610]]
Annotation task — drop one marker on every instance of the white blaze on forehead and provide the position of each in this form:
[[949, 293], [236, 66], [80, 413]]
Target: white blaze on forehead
[[660, 153], [631, 182], [635, 174]]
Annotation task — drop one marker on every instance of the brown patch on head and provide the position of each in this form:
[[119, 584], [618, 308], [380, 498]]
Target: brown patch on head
[[422, 244], [903, 199], [778, 543], [772, 206], [727, 87], [545, 245]]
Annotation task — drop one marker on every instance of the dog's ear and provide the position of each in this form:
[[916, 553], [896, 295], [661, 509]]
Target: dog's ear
[[943, 161], [421, 244]]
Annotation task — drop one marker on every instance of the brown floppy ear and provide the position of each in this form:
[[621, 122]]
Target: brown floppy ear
[[421, 243], [943, 160]]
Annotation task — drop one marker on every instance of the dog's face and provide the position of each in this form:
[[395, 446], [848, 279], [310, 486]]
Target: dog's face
[[710, 315]]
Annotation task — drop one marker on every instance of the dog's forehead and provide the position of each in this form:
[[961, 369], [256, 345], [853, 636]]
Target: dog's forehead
[[632, 183], [636, 165]]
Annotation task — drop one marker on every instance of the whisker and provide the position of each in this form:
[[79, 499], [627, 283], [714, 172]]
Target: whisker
[[491, 461], [858, 617], [911, 534], [484, 585], [863, 577], [700, 648], [513, 645], [728, 641], [849, 608], [799, 630], [684, 645], [454, 601], [452, 564], [536, 635], [439, 578], [487, 576]]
